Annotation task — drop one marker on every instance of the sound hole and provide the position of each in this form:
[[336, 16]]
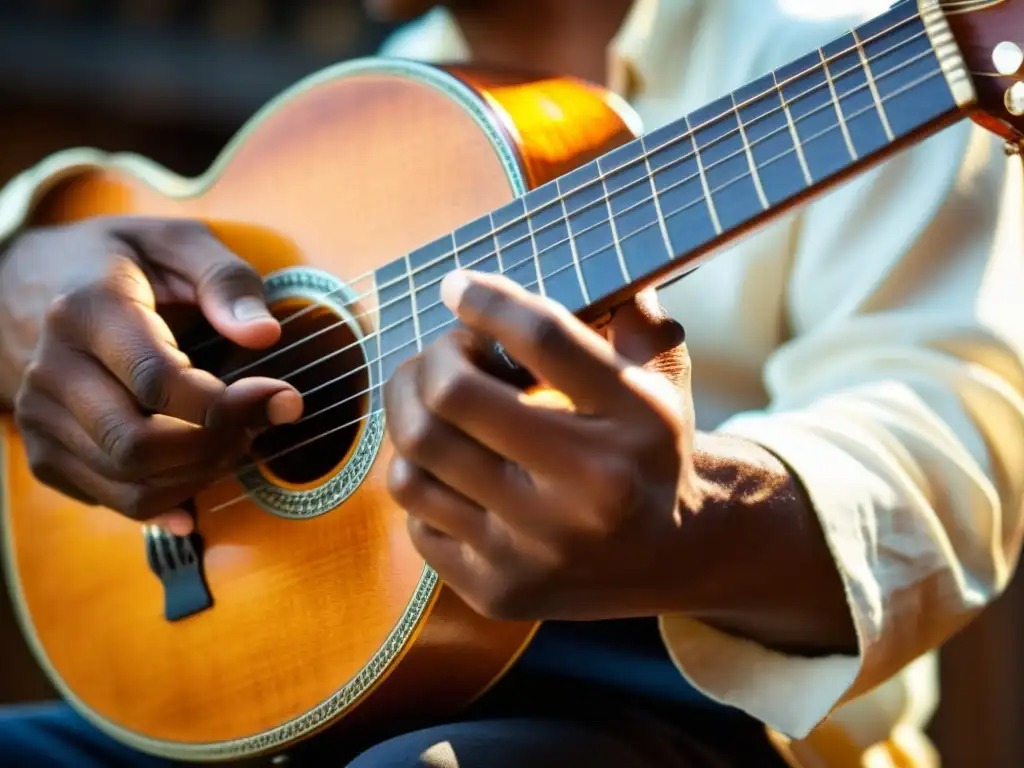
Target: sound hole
[[320, 356]]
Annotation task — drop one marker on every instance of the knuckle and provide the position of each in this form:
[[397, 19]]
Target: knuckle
[[122, 442], [172, 234], [135, 502], [232, 272], [404, 482], [614, 480], [545, 333], [70, 311], [444, 394], [148, 374], [42, 460], [35, 378], [26, 413], [503, 599], [417, 434]]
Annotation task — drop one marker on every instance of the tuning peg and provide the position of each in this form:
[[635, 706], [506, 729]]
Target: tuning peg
[[1014, 99], [1008, 58]]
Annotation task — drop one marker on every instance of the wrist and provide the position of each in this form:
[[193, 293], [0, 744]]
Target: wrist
[[758, 562]]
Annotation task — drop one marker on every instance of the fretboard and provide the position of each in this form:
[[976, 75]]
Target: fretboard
[[654, 208]]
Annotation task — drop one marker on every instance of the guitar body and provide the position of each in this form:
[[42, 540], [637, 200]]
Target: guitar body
[[321, 610]]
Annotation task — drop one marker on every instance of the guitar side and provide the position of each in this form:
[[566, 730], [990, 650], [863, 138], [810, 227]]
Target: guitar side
[[314, 617]]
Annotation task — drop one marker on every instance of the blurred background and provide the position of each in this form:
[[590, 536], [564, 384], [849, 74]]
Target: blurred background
[[173, 80]]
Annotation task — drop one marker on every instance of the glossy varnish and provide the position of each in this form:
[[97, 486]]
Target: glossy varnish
[[345, 175]]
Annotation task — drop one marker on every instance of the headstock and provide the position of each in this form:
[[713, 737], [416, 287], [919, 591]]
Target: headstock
[[990, 35]]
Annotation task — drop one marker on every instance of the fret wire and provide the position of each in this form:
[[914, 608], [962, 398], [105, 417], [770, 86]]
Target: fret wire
[[786, 103], [754, 174], [572, 241], [497, 245], [742, 176], [785, 107], [535, 255], [412, 293], [655, 198], [615, 229], [896, 68], [703, 177], [838, 106], [873, 87], [797, 143], [334, 430], [792, 78], [529, 220]]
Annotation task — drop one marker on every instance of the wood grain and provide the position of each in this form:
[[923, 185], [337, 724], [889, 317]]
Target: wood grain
[[347, 176]]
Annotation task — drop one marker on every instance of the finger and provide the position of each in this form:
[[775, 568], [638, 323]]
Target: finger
[[254, 403], [438, 506], [118, 327], [543, 336], [61, 470], [40, 416], [42, 454], [139, 445], [229, 291], [447, 453], [641, 331], [497, 414], [178, 522], [456, 562]]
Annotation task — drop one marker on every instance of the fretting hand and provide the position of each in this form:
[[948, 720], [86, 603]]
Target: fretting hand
[[534, 512], [110, 410]]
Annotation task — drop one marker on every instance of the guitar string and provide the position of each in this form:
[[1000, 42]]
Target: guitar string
[[369, 390], [553, 273], [819, 66], [408, 276], [377, 334]]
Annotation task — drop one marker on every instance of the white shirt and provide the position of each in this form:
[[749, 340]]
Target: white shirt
[[870, 339]]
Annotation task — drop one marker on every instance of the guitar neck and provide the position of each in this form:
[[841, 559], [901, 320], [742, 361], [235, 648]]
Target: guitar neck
[[655, 208]]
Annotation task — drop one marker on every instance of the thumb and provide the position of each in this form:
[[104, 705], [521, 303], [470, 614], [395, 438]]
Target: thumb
[[641, 331], [229, 291]]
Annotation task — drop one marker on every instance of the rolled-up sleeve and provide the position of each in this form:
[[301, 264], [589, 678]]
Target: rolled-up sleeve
[[899, 404]]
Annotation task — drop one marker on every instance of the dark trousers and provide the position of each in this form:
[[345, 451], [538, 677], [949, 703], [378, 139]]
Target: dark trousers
[[520, 724]]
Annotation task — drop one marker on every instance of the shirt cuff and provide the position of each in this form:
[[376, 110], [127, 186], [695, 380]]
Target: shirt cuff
[[794, 694]]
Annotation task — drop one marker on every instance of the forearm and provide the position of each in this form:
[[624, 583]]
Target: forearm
[[765, 571]]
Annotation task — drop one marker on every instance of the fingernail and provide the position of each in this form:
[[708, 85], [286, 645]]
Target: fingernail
[[250, 308], [176, 523], [453, 286], [284, 408]]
